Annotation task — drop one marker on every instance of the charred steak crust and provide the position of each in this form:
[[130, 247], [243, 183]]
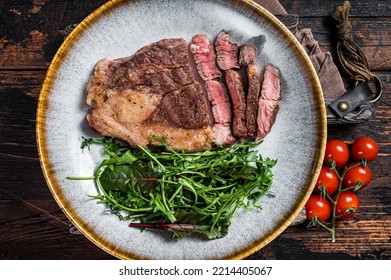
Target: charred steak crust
[[254, 87], [162, 67], [150, 92], [268, 102], [185, 108]]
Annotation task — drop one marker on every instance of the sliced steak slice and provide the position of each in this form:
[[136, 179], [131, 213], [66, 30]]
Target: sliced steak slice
[[227, 52], [254, 88], [247, 54], [271, 85], [267, 114], [222, 112], [268, 102], [238, 98], [152, 92], [205, 57]]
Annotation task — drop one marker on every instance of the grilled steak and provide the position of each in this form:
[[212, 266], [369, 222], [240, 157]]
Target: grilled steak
[[227, 52], [222, 112], [204, 57], [254, 88], [236, 90], [268, 101], [247, 54], [152, 92]]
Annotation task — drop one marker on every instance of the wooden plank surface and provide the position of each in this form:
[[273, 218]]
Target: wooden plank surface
[[315, 8], [33, 226], [35, 37]]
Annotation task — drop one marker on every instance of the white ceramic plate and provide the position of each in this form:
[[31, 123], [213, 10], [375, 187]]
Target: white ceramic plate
[[119, 29]]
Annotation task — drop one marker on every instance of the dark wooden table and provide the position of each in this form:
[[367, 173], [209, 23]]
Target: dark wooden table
[[33, 227]]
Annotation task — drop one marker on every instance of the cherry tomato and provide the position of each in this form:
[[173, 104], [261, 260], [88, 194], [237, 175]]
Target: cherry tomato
[[364, 147], [327, 178], [357, 174], [337, 150], [317, 206], [346, 200]]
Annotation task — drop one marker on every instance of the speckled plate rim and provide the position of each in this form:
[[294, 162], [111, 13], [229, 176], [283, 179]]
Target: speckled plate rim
[[47, 166]]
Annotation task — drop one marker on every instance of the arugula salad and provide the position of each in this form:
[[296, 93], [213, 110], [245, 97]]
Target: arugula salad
[[183, 193]]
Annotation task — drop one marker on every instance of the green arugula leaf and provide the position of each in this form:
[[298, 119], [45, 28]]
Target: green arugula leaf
[[125, 177]]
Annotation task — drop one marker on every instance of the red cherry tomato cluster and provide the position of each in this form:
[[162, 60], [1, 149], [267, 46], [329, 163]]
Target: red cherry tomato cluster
[[344, 172]]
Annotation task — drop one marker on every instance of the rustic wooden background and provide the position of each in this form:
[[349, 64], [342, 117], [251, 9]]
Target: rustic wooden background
[[32, 225]]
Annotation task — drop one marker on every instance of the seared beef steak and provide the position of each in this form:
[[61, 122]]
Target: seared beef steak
[[227, 52], [247, 54], [268, 102], [254, 88], [185, 108], [222, 112], [205, 57], [152, 92], [238, 98]]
